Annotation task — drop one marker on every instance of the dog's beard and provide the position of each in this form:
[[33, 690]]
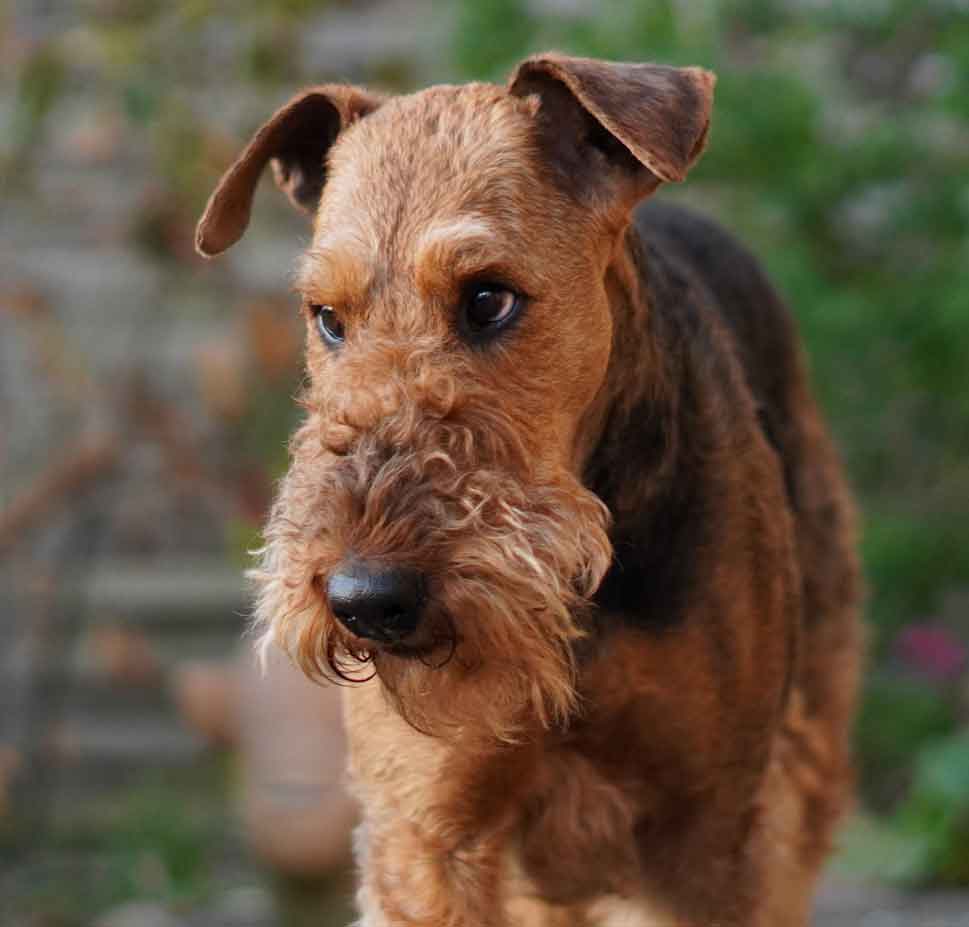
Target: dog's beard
[[510, 563]]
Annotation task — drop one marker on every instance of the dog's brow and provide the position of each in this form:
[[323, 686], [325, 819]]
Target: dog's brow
[[459, 234], [345, 262], [458, 248]]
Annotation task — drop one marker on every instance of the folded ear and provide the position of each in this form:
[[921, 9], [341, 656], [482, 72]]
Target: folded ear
[[296, 139], [633, 115]]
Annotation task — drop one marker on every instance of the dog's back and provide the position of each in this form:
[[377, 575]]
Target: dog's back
[[765, 338]]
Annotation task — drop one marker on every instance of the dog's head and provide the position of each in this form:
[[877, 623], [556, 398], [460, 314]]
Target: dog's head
[[433, 521]]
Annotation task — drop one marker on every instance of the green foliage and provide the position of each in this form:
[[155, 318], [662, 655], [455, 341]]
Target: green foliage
[[39, 85], [155, 841], [935, 816], [899, 717], [488, 32], [912, 561]]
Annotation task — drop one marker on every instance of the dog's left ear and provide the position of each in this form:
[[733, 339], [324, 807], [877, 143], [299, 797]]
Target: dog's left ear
[[296, 141], [633, 115]]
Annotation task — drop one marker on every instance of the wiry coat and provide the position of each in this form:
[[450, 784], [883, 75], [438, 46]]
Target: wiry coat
[[629, 695]]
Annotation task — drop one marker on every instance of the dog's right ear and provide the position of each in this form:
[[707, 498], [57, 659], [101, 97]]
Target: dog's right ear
[[296, 140], [640, 124]]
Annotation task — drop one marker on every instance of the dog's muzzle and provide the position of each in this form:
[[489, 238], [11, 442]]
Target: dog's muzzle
[[376, 602]]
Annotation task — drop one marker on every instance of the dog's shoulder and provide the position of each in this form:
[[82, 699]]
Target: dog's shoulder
[[685, 248]]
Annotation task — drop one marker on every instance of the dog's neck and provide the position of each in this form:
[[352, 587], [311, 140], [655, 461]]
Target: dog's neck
[[637, 400], [632, 346], [653, 381]]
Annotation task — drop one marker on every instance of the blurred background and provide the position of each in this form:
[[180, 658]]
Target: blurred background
[[145, 400]]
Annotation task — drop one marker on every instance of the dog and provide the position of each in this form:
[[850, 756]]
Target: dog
[[561, 514]]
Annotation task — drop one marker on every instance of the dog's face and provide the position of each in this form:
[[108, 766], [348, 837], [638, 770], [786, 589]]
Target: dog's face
[[433, 521]]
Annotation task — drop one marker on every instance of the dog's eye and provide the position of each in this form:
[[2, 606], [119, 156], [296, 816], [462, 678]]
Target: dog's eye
[[489, 307], [328, 324]]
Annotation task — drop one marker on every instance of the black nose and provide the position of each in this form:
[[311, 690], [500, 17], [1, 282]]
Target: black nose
[[377, 602]]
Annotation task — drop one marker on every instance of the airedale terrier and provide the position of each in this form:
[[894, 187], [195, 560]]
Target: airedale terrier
[[562, 511]]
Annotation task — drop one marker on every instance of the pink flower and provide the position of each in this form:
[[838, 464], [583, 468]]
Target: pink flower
[[932, 650]]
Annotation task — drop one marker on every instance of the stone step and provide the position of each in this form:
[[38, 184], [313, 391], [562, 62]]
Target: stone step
[[168, 593], [151, 740], [84, 673], [846, 902]]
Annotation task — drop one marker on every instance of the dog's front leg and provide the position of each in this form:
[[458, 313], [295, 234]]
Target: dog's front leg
[[410, 878], [432, 848]]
